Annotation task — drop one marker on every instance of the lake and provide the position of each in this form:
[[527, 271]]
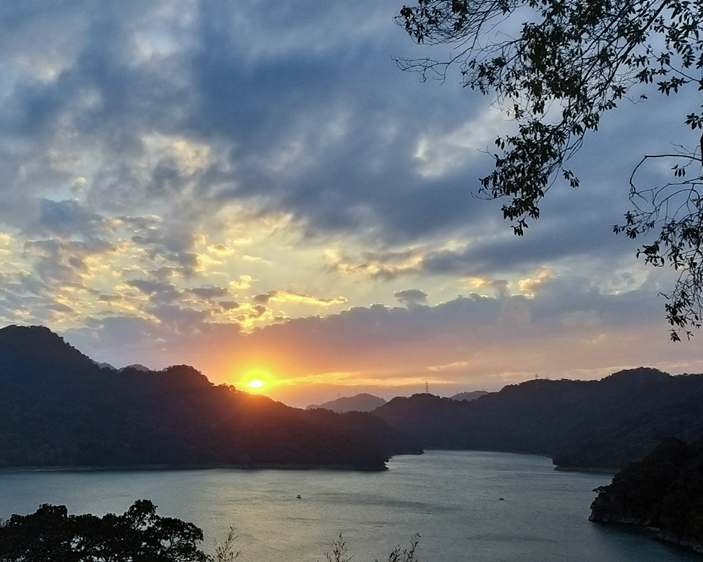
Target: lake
[[467, 506]]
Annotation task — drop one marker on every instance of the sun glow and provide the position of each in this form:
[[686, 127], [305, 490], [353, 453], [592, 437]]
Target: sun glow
[[256, 380]]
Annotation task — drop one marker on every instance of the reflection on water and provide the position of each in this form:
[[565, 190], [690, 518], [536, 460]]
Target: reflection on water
[[452, 499]]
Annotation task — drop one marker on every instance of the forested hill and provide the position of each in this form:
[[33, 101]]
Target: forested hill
[[662, 493], [360, 403], [59, 408], [587, 424]]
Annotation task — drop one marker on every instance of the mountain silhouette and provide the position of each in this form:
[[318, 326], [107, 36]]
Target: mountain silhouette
[[469, 396], [59, 408], [362, 402], [587, 424]]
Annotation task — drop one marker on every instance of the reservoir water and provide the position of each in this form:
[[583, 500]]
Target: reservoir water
[[466, 506]]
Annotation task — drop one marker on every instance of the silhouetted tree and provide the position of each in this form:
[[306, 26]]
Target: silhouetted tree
[[138, 535], [556, 75]]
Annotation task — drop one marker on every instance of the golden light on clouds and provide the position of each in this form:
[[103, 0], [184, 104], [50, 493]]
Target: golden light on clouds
[[243, 283], [404, 261], [456, 365], [530, 285], [291, 296], [190, 156]]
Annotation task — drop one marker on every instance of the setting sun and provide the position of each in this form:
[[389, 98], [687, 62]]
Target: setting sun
[[256, 383]]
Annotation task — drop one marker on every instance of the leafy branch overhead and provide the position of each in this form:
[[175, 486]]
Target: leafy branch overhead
[[570, 62]]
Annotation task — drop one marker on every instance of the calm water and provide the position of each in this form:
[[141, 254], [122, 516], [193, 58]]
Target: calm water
[[450, 498]]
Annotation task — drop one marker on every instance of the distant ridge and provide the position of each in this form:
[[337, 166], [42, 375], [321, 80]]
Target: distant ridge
[[469, 396], [59, 408], [104, 365], [600, 424], [360, 403], [136, 367]]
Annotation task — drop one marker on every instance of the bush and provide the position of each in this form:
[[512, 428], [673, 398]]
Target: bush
[[340, 551]]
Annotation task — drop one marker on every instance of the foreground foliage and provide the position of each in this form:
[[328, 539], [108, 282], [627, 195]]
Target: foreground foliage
[[340, 551], [556, 67], [139, 535]]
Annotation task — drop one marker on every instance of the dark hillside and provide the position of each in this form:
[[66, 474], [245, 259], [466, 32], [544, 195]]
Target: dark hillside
[[663, 492], [588, 424], [59, 408], [362, 402]]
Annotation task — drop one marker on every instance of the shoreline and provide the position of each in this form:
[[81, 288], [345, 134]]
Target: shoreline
[[277, 466], [611, 471], [178, 467], [655, 533]]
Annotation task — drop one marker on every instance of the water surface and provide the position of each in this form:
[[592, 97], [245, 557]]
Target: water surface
[[452, 499]]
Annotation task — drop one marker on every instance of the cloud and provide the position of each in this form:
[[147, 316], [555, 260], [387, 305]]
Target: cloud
[[568, 328], [64, 260], [295, 297], [190, 108], [68, 218], [178, 319], [441, 152], [459, 365], [187, 179], [150, 287], [411, 297], [209, 293]]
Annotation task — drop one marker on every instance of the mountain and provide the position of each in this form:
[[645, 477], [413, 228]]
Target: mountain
[[368, 402], [662, 493], [586, 424], [59, 408], [360, 403], [136, 367], [469, 396]]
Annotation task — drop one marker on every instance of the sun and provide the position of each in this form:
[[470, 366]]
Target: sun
[[256, 380]]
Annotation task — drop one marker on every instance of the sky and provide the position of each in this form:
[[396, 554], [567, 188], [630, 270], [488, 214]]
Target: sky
[[254, 188]]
